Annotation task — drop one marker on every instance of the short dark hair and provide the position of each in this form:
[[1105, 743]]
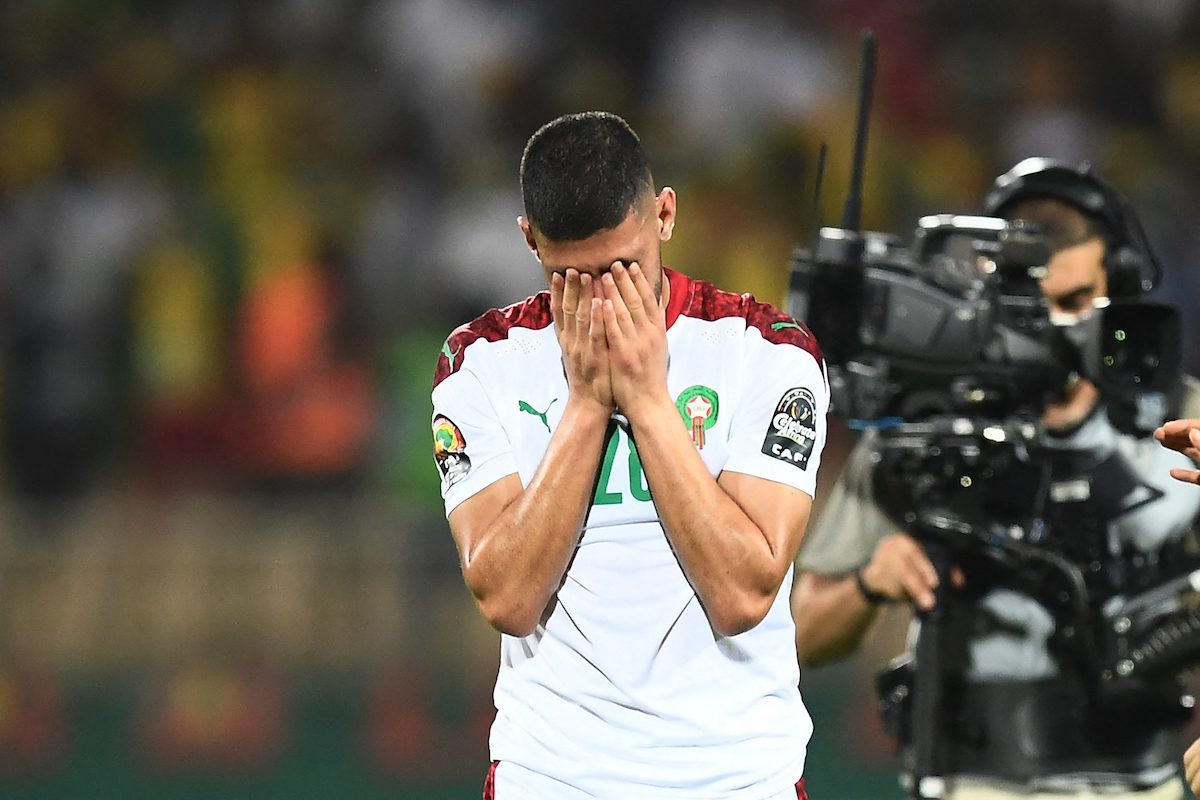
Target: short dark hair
[[1063, 224], [583, 173]]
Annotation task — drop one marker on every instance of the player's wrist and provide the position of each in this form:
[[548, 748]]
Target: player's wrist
[[586, 408], [648, 408]]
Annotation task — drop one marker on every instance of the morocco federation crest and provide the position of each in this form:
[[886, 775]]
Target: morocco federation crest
[[698, 405]]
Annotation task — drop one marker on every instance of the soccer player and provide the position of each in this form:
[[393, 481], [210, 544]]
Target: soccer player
[[628, 462]]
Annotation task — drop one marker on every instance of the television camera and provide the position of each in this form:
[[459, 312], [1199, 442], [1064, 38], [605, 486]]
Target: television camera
[[944, 352]]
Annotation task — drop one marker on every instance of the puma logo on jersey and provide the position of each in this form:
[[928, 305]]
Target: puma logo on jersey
[[449, 354], [528, 409]]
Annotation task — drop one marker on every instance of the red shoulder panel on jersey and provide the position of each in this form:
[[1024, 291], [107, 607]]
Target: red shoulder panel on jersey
[[701, 300], [779, 328], [681, 294], [492, 326]]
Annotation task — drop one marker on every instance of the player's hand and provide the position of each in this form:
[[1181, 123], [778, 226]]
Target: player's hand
[[575, 304], [1182, 435], [899, 569], [636, 331], [1191, 766]]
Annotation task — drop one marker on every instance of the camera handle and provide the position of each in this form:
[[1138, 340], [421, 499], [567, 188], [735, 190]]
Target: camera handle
[[928, 714]]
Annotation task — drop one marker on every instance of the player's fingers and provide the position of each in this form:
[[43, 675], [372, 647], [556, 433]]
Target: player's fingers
[[583, 311], [629, 292], [1194, 438], [597, 330], [556, 300], [570, 299], [613, 334], [612, 296], [644, 291]]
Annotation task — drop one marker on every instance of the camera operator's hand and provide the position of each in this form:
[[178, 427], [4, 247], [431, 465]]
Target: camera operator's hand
[[899, 569], [1182, 435]]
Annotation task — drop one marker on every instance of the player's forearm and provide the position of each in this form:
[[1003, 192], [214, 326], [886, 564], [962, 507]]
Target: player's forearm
[[831, 616], [724, 554], [516, 566]]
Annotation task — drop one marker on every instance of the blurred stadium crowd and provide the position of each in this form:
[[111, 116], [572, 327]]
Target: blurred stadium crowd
[[234, 234]]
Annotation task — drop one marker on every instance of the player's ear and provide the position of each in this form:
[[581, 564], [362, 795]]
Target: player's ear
[[664, 210], [530, 242]]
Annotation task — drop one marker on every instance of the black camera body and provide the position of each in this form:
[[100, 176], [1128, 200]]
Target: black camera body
[[948, 350], [957, 325]]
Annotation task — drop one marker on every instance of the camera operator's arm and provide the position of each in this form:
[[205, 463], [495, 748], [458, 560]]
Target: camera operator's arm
[[834, 612], [853, 559], [1182, 435]]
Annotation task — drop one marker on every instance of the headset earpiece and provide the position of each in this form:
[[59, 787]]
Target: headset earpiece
[[1127, 270], [1129, 260]]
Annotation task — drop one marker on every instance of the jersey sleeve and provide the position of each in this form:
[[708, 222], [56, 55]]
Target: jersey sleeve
[[849, 525], [779, 429], [470, 447]]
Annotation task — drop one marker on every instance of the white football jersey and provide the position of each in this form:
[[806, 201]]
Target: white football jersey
[[624, 689]]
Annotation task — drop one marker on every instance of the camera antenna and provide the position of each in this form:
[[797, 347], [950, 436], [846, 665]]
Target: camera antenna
[[866, 80], [814, 222]]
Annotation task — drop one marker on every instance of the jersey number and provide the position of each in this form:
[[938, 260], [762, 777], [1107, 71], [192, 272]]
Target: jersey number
[[637, 478]]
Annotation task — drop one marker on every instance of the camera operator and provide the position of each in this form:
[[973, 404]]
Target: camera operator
[[1021, 697]]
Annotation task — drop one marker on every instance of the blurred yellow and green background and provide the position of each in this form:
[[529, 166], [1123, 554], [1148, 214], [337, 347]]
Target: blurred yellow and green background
[[233, 235]]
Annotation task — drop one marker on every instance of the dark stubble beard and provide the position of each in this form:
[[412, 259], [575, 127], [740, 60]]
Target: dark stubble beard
[[658, 282]]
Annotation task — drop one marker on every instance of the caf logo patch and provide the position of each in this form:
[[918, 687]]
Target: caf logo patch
[[450, 450], [793, 429]]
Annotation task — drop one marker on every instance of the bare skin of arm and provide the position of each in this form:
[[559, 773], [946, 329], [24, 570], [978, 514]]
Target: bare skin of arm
[[1191, 766], [831, 614], [735, 537], [515, 543], [1182, 435]]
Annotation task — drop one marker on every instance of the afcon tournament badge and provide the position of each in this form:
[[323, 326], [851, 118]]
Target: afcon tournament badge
[[449, 450], [792, 431], [698, 405]]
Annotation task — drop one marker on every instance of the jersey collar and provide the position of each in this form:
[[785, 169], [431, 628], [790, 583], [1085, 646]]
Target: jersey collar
[[680, 290]]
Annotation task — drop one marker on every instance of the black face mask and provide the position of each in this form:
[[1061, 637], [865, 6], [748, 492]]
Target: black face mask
[[1131, 350]]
